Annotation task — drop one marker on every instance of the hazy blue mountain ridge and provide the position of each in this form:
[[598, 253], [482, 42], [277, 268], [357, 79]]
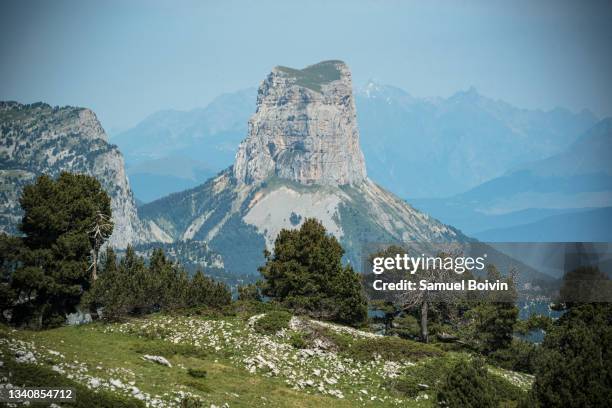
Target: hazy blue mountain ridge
[[415, 147], [577, 179]]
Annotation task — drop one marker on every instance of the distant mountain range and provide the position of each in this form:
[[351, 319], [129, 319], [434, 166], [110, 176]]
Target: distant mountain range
[[171, 150], [581, 226], [159, 177], [415, 147], [549, 199]]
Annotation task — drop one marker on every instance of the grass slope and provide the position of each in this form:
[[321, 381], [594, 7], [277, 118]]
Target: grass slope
[[225, 360]]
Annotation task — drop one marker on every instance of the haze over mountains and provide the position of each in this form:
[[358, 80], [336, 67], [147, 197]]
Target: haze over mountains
[[300, 159], [171, 150], [416, 147], [423, 149], [303, 156], [573, 188]]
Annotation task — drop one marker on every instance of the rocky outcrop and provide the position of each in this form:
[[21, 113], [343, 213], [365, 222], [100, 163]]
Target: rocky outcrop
[[301, 159], [304, 129], [39, 138]]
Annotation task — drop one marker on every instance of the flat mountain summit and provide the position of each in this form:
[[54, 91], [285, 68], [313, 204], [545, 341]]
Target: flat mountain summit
[[304, 129], [301, 158]]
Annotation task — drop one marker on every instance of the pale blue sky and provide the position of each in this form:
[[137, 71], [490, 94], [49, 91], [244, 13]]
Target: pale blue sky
[[127, 59]]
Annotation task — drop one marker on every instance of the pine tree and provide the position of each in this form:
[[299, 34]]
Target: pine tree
[[306, 274], [204, 291], [58, 216], [467, 385], [573, 367], [493, 320]]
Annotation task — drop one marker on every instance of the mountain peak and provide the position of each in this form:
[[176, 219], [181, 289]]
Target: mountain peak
[[315, 76], [304, 128]]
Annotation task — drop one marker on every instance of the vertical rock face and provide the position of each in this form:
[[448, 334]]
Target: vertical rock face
[[304, 129], [38, 138], [301, 159]]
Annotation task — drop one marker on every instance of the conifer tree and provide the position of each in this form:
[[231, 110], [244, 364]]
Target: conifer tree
[[306, 274]]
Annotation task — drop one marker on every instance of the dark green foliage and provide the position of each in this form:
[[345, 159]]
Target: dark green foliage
[[197, 373], [519, 356], [11, 249], [120, 289], [132, 287], [240, 245], [306, 275], [250, 292], [168, 350], [492, 326], [434, 374], [391, 348], [59, 212], [406, 327], [205, 291], [192, 402], [573, 367], [582, 285], [492, 321], [272, 322], [297, 340], [534, 322], [426, 375], [53, 268], [467, 385], [30, 375]]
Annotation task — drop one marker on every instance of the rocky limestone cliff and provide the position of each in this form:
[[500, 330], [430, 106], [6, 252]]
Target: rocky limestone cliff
[[39, 138], [300, 159], [304, 129]]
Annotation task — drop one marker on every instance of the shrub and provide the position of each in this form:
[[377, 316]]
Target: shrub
[[196, 373], [248, 308], [573, 367], [427, 375], [392, 348], [297, 340], [520, 356], [467, 385], [272, 322], [406, 327], [505, 392], [191, 402], [249, 292]]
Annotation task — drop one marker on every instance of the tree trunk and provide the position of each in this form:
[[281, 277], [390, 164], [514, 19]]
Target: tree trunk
[[94, 271], [424, 332]]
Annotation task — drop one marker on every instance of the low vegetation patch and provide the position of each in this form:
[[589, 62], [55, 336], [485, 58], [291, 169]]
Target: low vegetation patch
[[392, 348], [31, 375], [196, 373], [197, 385], [165, 349], [272, 322], [423, 376]]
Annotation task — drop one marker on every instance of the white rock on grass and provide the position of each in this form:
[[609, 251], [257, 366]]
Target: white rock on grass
[[157, 359]]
